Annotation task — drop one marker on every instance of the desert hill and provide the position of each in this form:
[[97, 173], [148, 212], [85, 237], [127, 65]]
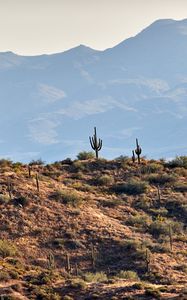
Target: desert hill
[[93, 229]]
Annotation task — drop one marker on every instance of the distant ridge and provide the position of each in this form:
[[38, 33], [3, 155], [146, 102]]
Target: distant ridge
[[50, 103]]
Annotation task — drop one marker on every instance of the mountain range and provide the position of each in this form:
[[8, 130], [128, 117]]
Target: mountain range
[[137, 89]]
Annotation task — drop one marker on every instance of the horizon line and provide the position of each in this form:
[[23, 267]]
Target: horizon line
[[87, 46]]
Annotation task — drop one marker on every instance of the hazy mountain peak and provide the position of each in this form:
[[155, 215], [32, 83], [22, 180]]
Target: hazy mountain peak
[[61, 97], [162, 22]]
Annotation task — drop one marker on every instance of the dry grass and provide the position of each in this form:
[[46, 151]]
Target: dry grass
[[103, 231]]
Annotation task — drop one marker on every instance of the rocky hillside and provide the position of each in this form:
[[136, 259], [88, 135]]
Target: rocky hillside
[[88, 229]]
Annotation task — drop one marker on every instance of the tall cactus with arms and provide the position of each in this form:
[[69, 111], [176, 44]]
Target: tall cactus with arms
[[95, 143], [138, 150]]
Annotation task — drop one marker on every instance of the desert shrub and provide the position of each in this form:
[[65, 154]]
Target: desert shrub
[[129, 275], [158, 227], [7, 249], [67, 197], [5, 163], [17, 166], [123, 161], [4, 276], [46, 294], [82, 186], [181, 172], [152, 292], [179, 161], [162, 248], [73, 244], [77, 284], [84, 155], [135, 249], [95, 277], [58, 243], [180, 187], [122, 158], [139, 220], [14, 274], [162, 211], [143, 202], [182, 267], [4, 199], [37, 162], [131, 245], [104, 180], [132, 187], [78, 175], [177, 207], [78, 166], [161, 179], [21, 201], [66, 161], [151, 168]]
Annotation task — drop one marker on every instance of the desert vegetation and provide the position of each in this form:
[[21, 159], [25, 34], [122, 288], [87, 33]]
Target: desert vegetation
[[94, 228]]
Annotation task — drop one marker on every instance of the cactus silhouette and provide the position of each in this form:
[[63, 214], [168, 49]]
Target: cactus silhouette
[[147, 260], [138, 150], [133, 156], [37, 183], [95, 143], [29, 170], [68, 265], [170, 237]]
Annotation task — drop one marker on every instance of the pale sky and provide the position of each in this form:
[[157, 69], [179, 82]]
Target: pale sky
[[32, 27]]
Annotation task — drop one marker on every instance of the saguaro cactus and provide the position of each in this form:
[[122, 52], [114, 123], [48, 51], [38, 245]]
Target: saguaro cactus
[[147, 260], [37, 183], [138, 150], [170, 237], [9, 187], [29, 170], [51, 261], [68, 265], [93, 257], [133, 157], [95, 143], [159, 193]]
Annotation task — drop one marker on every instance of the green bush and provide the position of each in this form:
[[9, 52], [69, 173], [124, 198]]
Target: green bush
[[132, 187], [7, 249], [84, 155], [95, 277], [4, 199], [143, 202], [67, 197], [5, 163], [158, 227], [139, 220], [151, 168], [37, 162], [77, 284], [129, 275], [178, 162], [4, 276], [104, 180], [78, 166], [161, 179], [152, 292]]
